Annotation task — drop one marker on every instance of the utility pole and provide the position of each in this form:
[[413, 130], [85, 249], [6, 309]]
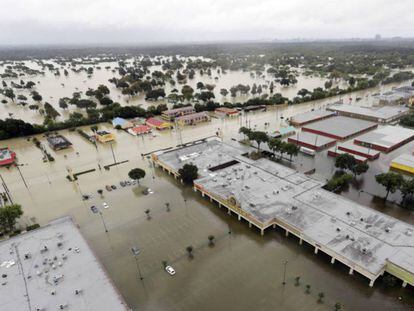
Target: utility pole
[[284, 271], [135, 252], [103, 221], [113, 154], [21, 175]]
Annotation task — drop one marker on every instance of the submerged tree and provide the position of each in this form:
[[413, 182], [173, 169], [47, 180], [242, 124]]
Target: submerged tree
[[136, 174], [9, 215], [391, 182]]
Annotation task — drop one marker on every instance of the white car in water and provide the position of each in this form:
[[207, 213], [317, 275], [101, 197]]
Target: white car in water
[[170, 270], [105, 205]]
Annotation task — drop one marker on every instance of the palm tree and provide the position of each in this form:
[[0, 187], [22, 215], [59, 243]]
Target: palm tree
[[321, 295], [189, 250], [167, 206], [100, 191], [211, 240], [297, 281], [338, 306], [308, 287], [164, 263], [147, 211]]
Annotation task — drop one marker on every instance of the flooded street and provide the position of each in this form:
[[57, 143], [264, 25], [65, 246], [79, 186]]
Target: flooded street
[[243, 271]]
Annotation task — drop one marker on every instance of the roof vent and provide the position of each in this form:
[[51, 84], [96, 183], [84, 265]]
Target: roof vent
[[387, 229], [338, 229]]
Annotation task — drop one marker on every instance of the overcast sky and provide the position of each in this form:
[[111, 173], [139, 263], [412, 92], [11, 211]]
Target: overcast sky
[[143, 21]]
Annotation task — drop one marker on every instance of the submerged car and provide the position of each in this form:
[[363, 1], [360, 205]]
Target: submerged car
[[108, 187], [94, 209], [170, 270], [105, 205]]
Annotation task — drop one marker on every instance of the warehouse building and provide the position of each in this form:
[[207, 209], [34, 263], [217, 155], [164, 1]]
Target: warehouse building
[[170, 115], [312, 141], [309, 117], [404, 163], [386, 138], [362, 151], [340, 128], [53, 268], [266, 194], [334, 152], [384, 114]]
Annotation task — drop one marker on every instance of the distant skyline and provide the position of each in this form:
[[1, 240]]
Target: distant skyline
[[155, 21]]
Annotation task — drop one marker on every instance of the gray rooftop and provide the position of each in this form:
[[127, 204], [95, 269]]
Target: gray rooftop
[[43, 268], [310, 116], [272, 193], [384, 113], [404, 159], [340, 126], [386, 136], [358, 148], [312, 139]]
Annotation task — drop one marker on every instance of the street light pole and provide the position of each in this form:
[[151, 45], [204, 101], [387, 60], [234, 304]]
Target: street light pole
[[113, 154], [103, 221], [284, 272], [21, 175], [135, 252]]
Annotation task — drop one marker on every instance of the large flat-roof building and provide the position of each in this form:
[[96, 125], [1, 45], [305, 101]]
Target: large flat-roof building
[[312, 141], [386, 138], [404, 162], [339, 127], [53, 268], [383, 114], [267, 194], [309, 117], [358, 150]]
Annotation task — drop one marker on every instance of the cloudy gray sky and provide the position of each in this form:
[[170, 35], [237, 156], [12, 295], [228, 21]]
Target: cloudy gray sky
[[142, 21]]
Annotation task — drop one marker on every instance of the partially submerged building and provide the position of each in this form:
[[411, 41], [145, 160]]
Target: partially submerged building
[[171, 114], [193, 119], [7, 156], [386, 138], [357, 150], [53, 268], [227, 112], [312, 141], [122, 123], [383, 114], [399, 96], [139, 130], [404, 163], [339, 127], [310, 116], [266, 194], [158, 124], [58, 142], [104, 136]]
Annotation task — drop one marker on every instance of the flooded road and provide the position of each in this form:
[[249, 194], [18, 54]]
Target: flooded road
[[243, 271]]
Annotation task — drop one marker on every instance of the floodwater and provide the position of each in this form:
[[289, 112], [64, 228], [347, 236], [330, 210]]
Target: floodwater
[[243, 271]]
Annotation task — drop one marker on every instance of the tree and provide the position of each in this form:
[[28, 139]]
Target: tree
[[291, 150], [224, 92], [391, 182], [100, 192], [407, 189], [136, 174], [259, 137], [188, 173], [245, 131], [308, 287], [360, 168], [338, 306], [187, 92], [189, 250], [328, 84], [345, 161], [297, 281], [9, 93], [147, 212], [211, 240], [167, 206], [274, 144], [8, 217], [321, 295]]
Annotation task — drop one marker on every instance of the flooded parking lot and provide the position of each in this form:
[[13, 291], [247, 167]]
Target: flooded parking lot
[[242, 271]]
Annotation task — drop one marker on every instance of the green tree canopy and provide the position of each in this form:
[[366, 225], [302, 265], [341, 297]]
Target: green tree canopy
[[188, 173], [391, 182], [8, 217], [136, 174]]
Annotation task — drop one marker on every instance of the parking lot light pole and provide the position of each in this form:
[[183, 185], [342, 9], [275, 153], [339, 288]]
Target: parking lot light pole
[[284, 271], [103, 221], [135, 252]]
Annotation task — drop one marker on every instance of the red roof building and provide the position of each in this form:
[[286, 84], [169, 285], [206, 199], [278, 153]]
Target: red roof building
[[139, 130], [7, 157]]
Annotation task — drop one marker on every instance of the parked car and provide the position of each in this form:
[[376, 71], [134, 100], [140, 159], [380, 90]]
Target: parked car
[[122, 183], [113, 187], [105, 205], [170, 270], [108, 187], [94, 209]]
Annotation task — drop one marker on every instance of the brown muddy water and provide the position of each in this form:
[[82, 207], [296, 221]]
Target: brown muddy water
[[243, 271]]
